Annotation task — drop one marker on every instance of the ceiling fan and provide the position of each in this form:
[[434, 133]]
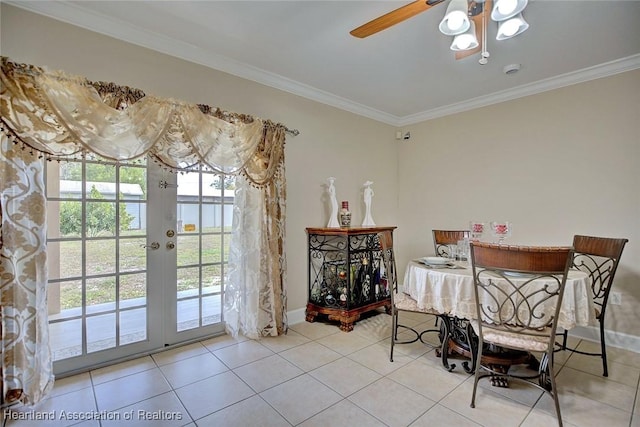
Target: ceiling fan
[[478, 11]]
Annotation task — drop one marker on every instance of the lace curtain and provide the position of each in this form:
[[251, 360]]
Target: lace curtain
[[53, 116], [26, 367], [254, 302]]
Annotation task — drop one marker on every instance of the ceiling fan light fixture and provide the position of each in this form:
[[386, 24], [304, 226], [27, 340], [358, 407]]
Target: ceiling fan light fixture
[[505, 9], [512, 27], [456, 19], [467, 40]]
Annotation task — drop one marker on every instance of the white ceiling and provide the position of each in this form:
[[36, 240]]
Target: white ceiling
[[400, 76]]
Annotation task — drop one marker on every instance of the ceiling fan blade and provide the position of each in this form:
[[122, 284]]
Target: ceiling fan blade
[[394, 17]]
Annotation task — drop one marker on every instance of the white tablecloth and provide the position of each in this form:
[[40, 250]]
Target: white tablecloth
[[450, 291]]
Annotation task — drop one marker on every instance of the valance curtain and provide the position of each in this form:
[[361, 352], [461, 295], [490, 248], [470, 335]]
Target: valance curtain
[[49, 115]]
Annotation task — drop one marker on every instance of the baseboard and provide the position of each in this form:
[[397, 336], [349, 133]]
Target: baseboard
[[296, 316], [614, 339]]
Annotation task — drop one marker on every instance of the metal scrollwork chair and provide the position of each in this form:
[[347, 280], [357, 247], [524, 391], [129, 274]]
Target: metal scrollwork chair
[[599, 258], [443, 238], [399, 300], [518, 292]]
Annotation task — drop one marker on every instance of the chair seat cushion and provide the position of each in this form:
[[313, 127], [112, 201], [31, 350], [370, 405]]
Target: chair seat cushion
[[515, 340], [404, 302]]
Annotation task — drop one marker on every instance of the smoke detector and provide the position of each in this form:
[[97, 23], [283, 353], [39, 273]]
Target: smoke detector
[[511, 69]]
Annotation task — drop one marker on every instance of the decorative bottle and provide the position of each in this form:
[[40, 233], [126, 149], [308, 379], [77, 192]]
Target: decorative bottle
[[345, 215]]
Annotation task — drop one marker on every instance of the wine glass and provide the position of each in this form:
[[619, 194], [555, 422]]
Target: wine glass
[[476, 229], [501, 230]]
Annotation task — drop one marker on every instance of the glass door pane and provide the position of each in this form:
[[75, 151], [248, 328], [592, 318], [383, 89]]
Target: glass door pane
[[136, 256], [204, 212], [97, 296]]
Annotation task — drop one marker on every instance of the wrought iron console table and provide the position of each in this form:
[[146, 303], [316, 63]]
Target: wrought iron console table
[[344, 274]]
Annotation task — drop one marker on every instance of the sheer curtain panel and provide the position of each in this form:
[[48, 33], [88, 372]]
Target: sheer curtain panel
[[27, 373], [49, 115]]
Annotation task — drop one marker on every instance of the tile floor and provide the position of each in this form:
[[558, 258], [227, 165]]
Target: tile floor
[[317, 375]]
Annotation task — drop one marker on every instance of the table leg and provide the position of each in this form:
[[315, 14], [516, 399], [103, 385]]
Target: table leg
[[459, 340], [445, 337]]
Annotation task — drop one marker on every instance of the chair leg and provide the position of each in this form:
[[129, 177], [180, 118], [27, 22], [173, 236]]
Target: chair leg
[[554, 389], [394, 332], [603, 347], [476, 376], [564, 340]]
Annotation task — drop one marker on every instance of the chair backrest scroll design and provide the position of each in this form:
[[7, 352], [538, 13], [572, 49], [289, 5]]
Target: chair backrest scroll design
[[519, 289], [443, 238], [599, 258]]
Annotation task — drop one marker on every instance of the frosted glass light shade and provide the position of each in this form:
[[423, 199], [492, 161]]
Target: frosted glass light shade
[[467, 40], [511, 27], [505, 9], [456, 20]]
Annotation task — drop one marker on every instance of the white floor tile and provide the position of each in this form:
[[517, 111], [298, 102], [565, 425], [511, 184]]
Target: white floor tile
[[72, 383], [376, 357], [315, 330], [538, 418], [345, 376], [57, 411], [310, 356], [123, 369], [428, 380], [412, 349], [180, 353], [268, 372], [392, 403], [212, 394], [596, 387], [343, 413], [318, 375], [128, 390], [213, 344], [284, 342], [492, 409], [242, 353], [253, 411], [624, 374], [375, 328], [614, 354], [164, 410], [187, 371], [439, 415], [585, 412], [300, 398], [345, 343]]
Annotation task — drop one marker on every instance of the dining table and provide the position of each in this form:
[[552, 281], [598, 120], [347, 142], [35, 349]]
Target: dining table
[[447, 291]]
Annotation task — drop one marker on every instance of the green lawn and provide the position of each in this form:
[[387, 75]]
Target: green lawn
[[100, 259]]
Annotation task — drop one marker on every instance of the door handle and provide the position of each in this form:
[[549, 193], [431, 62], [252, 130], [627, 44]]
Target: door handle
[[152, 246]]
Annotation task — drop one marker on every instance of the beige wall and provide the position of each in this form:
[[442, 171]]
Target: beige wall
[[556, 164], [331, 142]]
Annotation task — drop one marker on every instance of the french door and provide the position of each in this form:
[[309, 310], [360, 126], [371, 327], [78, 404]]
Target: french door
[[137, 259]]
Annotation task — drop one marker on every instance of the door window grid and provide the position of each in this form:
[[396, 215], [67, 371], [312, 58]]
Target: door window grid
[[84, 249], [80, 266], [209, 230]]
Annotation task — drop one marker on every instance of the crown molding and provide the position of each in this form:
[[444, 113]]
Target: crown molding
[[556, 82], [98, 23], [74, 13]]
